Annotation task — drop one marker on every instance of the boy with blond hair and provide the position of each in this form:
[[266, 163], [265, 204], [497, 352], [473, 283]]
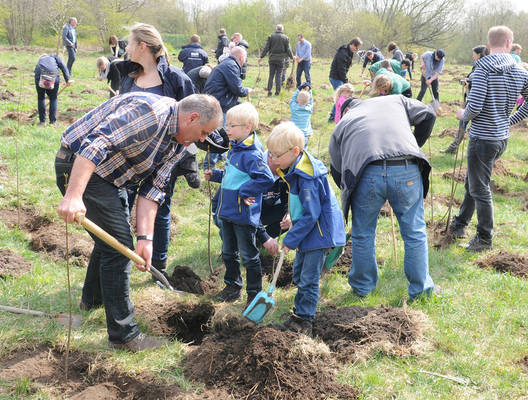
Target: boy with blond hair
[[301, 107], [245, 178], [317, 221]]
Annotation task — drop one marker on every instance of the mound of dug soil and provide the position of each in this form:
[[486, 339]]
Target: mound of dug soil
[[438, 236], [515, 264], [285, 275], [355, 332], [264, 363], [87, 378], [460, 175], [48, 236], [185, 279], [12, 264], [451, 132]]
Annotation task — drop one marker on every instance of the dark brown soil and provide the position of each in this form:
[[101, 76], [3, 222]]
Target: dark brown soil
[[188, 322], [451, 132], [460, 174], [355, 332], [185, 279], [264, 363], [500, 169], [12, 264], [438, 236], [342, 266], [285, 275], [87, 378], [7, 95], [25, 118], [515, 264], [48, 236]]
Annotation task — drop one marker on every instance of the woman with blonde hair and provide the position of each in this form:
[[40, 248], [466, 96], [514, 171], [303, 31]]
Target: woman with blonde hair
[[381, 86], [148, 70]]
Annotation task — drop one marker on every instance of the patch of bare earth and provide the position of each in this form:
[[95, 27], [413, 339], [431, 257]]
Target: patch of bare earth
[[269, 263], [185, 279], [265, 363], [515, 264], [12, 264], [48, 236]]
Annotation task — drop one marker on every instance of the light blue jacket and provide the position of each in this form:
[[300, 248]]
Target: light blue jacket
[[300, 115], [246, 175], [314, 210]]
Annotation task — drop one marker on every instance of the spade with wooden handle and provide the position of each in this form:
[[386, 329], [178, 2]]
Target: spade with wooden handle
[[63, 319], [120, 247]]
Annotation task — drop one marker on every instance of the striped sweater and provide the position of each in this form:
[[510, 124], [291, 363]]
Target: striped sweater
[[497, 82]]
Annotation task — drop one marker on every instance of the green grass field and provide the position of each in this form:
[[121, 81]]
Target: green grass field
[[476, 329]]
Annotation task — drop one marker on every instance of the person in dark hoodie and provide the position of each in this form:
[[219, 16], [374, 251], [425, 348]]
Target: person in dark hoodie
[[371, 166], [193, 55], [239, 41], [223, 42], [340, 66], [148, 70], [497, 82], [47, 81], [278, 47]]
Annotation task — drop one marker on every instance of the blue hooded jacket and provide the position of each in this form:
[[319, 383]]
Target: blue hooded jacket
[[225, 83], [314, 210], [246, 174], [192, 55]]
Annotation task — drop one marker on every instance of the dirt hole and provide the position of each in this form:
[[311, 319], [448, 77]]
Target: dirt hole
[[285, 275], [12, 264], [87, 377], [265, 363], [515, 264], [354, 333], [438, 236]]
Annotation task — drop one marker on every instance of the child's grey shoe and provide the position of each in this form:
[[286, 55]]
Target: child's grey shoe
[[229, 294]]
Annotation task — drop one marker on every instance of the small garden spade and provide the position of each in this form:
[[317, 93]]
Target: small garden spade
[[264, 301]]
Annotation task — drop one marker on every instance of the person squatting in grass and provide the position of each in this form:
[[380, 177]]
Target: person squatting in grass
[[392, 65], [47, 82], [118, 47], [245, 178], [342, 93], [301, 107], [478, 53], [374, 157], [317, 221], [497, 82], [131, 139], [148, 70], [387, 82], [108, 70]]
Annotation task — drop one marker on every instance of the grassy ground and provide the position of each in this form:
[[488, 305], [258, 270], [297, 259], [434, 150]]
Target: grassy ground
[[477, 327]]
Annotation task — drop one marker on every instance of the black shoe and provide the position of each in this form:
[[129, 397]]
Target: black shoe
[[269, 94], [193, 179], [457, 230], [229, 294], [277, 93], [161, 266], [139, 343], [478, 244], [297, 324], [250, 298]]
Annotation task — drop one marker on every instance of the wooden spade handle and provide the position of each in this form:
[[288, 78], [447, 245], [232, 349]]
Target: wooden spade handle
[[278, 269], [24, 311], [108, 239]]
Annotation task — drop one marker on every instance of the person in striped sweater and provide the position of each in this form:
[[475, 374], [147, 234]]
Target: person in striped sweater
[[497, 82]]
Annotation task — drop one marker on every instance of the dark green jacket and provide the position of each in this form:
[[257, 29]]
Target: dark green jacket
[[278, 47]]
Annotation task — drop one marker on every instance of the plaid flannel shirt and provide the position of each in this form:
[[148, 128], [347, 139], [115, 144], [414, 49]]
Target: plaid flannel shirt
[[130, 140]]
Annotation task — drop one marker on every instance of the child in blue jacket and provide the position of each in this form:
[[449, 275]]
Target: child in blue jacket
[[316, 216], [301, 107], [245, 178]]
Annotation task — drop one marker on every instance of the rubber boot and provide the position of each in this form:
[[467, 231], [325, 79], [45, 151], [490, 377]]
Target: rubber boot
[[453, 147]]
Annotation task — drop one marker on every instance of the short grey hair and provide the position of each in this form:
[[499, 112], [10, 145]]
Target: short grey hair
[[72, 19], [280, 28], [204, 104]]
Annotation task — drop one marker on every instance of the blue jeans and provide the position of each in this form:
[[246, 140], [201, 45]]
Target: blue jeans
[[335, 84], [303, 66], [41, 101], [108, 273], [307, 268], [71, 57], [481, 156], [423, 89], [402, 186], [240, 240]]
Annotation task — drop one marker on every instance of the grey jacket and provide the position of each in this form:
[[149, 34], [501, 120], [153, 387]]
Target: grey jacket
[[378, 129]]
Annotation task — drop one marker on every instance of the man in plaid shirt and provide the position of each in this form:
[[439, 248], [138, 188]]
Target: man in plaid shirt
[[135, 138]]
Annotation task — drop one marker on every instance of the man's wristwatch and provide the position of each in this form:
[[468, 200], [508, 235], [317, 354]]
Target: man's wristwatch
[[145, 237]]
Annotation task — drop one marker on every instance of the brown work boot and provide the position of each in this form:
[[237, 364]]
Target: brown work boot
[[139, 343], [297, 324]]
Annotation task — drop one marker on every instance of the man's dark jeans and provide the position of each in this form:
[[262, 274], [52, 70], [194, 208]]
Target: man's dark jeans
[[303, 66], [275, 70], [71, 57], [41, 97], [107, 276], [423, 89], [240, 240], [481, 156]]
